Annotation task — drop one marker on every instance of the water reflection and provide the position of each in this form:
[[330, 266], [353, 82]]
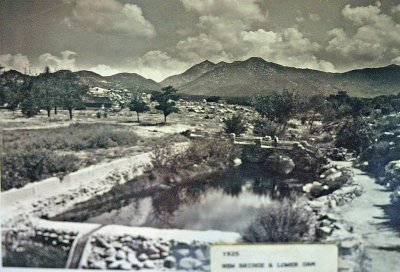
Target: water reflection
[[224, 201]]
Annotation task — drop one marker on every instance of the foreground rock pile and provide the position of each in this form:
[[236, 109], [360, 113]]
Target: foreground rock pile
[[55, 238], [128, 252]]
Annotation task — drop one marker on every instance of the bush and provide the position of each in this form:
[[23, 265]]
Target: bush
[[281, 222], [31, 155], [212, 152], [354, 135], [35, 256], [265, 128], [23, 166], [235, 125]]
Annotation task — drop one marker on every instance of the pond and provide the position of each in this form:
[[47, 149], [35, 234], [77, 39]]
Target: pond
[[226, 201]]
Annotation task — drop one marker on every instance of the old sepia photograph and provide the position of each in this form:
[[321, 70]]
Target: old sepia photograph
[[200, 135]]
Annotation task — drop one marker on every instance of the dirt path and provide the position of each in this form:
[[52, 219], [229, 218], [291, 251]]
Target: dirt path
[[75, 254], [367, 216]]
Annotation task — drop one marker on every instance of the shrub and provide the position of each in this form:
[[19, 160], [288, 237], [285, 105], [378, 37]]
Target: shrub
[[265, 128], [35, 256], [281, 222], [354, 135], [30, 155], [235, 125], [23, 166], [212, 152]]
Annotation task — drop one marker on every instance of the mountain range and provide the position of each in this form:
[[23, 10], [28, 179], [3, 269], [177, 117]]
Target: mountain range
[[257, 76], [252, 77]]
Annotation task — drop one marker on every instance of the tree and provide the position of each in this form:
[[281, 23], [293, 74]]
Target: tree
[[137, 104], [318, 104], [44, 86], [30, 105], [71, 92], [277, 107], [166, 101]]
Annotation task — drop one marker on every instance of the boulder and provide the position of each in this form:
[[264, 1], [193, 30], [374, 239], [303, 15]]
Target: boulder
[[334, 181], [149, 264], [280, 164], [307, 187], [111, 252], [143, 257], [199, 254], [189, 263], [316, 190], [120, 255], [237, 162], [182, 252], [100, 264], [170, 262]]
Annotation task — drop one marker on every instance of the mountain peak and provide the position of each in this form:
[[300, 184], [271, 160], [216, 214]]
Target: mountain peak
[[207, 62]]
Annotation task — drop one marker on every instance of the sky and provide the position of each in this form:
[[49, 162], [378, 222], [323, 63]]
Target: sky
[[159, 38]]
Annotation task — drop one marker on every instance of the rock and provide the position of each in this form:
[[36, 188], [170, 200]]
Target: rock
[[131, 257], [120, 255], [189, 263], [348, 247], [199, 254], [163, 248], [307, 187], [154, 256], [316, 205], [324, 231], [170, 262], [126, 239], [280, 164], [110, 259], [149, 264], [237, 162], [335, 181], [182, 252], [114, 265], [135, 245], [152, 250], [316, 190], [328, 172], [111, 252], [116, 245], [100, 264], [124, 265], [143, 257]]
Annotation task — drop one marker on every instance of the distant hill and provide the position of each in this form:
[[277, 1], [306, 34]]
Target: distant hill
[[130, 81], [257, 76], [248, 78], [189, 75]]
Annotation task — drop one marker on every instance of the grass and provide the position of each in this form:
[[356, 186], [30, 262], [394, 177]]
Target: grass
[[75, 137], [31, 155], [35, 256]]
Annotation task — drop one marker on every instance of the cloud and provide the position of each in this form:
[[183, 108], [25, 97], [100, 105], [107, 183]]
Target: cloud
[[110, 17], [22, 63], [314, 17], [247, 11], [288, 47], [376, 36], [234, 30], [66, 62], [396, 60], [157, 65], [104, 70], [17, 62]]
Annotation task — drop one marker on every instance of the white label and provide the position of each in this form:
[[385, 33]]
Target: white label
[[275, 258]]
